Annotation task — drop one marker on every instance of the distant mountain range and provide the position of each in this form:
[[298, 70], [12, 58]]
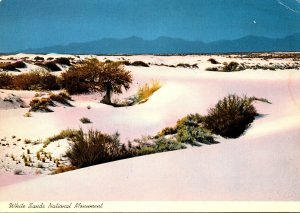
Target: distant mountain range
[[166, 45]]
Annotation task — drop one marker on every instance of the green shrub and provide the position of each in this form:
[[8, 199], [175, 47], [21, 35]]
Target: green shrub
[[231, 116], [193, 134], [85, 120], [94, 148], [161, 144]]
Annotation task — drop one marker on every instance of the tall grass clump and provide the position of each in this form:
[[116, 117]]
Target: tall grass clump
[[231, 116], [67, 133], [94, 148], [147, 90]]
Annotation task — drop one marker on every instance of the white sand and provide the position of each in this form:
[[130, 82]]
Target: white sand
[[260, 165]]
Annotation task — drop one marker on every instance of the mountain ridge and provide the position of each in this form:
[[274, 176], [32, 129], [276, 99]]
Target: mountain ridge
[[168, 45]]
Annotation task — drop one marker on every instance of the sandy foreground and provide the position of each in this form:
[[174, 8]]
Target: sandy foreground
[[263, 164]]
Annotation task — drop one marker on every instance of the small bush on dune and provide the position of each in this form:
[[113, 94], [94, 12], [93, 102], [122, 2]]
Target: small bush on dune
[[40, 105], [61, 97], [51, 65], [94, 148], [212, 69], [213, 61], [19, 64], [38, 58], [139, 63], [231, 116], [63, 61], [85, 120], [146, 91], [232, 66]]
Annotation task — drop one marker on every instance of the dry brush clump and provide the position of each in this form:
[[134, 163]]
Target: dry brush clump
[[145, 91], [14, 66], [231, 116], [33, 80], [85, 120], [41, 104], [95, 147]]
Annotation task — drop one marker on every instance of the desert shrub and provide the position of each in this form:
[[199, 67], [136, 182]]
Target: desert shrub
[[232, 66], [12, 66], [127, 63], [94, 148], [40, 105], [183, 65], [62, 169], [63, 61], [213, 61], [193, 134], [168, 131], [35, 80], [52, 66], [6, 80], [160, 144], [231, 116], [146, 91], [27, 114], [212, 69], [38, 58], [189, 120], [62, 98], [139, 64], [19, 64], [85, 120], [75, 81], [67, 133]]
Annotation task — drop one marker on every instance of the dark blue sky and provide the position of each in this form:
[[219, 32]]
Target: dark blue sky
[[38, 23]]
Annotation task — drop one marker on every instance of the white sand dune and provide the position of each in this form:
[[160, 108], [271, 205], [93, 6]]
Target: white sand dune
[[260, 165]]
